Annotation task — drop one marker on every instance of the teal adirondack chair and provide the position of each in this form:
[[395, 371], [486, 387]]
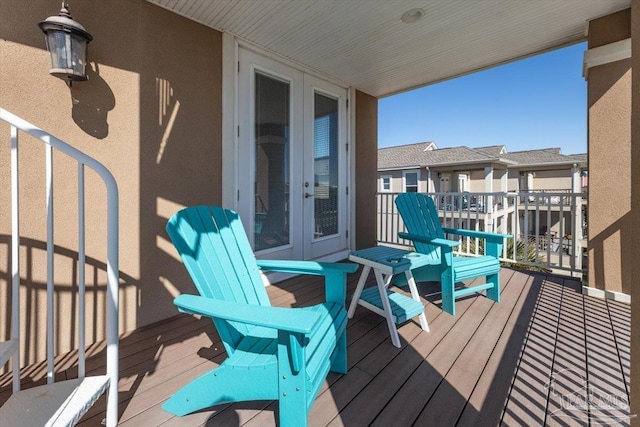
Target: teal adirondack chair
[[274, 353], [421, 219]]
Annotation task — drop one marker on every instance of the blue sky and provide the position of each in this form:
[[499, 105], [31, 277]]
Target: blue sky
[[538, 102]]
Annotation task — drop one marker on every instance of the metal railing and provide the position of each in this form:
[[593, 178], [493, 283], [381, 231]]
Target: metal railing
[[51, 145], [548, 228]]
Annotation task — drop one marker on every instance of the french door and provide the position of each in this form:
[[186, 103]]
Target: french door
[[292, 160]]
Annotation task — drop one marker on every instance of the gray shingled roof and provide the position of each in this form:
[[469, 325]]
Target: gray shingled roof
[[580, 158], [414, 155], [536, 157]]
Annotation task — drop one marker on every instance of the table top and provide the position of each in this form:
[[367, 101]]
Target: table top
[[388, 259]]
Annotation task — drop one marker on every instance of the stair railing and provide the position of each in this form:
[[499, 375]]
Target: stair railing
[[12, 348]]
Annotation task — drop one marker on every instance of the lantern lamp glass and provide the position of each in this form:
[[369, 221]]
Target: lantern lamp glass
[[67, 44], [68, 54]]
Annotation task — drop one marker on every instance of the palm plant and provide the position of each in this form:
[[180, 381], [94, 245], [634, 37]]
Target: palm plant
[[525, 255]]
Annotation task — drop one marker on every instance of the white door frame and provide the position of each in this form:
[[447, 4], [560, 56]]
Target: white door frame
[[246, 152], [327, 244], [230, 141]]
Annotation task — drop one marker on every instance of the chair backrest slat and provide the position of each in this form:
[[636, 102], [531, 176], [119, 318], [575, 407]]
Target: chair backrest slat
[[420, 217], [215, 250]]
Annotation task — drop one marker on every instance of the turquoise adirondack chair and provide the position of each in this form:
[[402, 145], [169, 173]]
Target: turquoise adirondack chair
[[421, 219], [274, 353]]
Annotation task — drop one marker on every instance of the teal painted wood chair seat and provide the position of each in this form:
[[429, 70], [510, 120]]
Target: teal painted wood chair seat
[[274, 353], [420, 216]]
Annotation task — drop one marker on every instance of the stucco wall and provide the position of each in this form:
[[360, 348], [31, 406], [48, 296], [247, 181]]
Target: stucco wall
[[609, 130], [367, 167], [552, 179], [558, 179], [513, 180], [396, 181], [151, 112]]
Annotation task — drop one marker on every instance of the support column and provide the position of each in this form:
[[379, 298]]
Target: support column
[[576, 187], [607, 68], [488, 188], [504, 180], [366, 163]]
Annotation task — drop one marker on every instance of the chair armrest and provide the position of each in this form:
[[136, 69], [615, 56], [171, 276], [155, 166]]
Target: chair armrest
[[335, 274], [285, 319], [479, 234], [307, 267], [431, 241]]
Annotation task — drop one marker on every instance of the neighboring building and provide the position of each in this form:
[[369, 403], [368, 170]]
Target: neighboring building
[[423, 167]]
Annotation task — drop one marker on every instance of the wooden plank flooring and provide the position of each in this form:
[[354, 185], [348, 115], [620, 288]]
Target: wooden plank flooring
[[524, 361]]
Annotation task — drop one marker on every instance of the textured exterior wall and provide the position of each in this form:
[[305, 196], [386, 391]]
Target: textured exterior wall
[[559, 179], [367, 166], [151, 112], [609, 130], [396, 181]]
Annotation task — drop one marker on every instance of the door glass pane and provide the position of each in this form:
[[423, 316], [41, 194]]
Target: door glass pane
[[271, 201], [325, 154]]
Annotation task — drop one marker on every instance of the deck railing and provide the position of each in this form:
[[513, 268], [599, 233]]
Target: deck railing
[[548, 227], [88, 388]]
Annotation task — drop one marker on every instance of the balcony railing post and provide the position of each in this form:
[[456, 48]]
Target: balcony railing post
[[15, 257], [528, 216]]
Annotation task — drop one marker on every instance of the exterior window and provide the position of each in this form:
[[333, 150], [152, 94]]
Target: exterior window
[[411, 182], [385, 183]]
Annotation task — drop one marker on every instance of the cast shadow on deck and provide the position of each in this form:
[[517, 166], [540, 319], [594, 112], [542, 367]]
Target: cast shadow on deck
[[509, 363]]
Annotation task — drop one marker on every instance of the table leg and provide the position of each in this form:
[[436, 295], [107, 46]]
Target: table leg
[[382, 288], [414, 294], [356, 295]]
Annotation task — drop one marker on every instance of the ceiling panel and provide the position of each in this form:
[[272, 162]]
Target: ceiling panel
[[364, 43]]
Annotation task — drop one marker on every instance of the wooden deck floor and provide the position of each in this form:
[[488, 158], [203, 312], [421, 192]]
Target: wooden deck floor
[[524, 361]]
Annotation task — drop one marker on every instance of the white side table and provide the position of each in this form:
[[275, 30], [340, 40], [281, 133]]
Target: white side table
[[396, 308]]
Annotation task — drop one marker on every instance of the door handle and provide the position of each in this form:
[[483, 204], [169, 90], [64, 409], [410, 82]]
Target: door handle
[[307, 195]]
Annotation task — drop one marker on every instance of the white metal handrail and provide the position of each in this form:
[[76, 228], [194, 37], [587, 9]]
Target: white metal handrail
[[547, 227], [53, 143]]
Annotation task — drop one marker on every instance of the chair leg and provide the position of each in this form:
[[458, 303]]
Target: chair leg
[[293, 410], [339, 363], [292, 391], [494, 293], [222, 385], [448, 286]]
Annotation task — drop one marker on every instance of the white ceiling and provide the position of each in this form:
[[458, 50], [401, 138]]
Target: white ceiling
[[365, 44]]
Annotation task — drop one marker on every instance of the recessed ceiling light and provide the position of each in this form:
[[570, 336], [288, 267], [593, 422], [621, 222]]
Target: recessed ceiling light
[[412, 15]]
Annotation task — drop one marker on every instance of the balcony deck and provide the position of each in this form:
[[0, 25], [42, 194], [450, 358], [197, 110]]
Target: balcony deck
[[491, 364]]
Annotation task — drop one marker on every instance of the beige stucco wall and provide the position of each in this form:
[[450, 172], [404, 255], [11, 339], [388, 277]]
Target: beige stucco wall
[[151, 112], [609, 130], [555, 179], [550, 179], [477, 184], [634, 237], [513, 180], [396, 181], [367, 168]]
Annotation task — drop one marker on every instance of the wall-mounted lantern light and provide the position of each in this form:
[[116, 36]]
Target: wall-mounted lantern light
[[67, 43]]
